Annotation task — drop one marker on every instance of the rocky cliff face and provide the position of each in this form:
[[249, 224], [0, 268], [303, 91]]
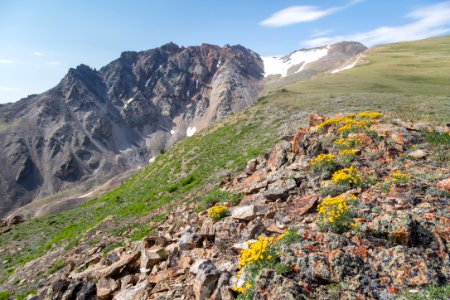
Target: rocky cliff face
[[97, 123]]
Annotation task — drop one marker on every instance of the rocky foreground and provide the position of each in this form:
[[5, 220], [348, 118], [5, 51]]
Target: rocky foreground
[[352, 207]]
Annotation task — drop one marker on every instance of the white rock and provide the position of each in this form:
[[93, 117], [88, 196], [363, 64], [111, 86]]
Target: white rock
[[418, 154], [245, 213]]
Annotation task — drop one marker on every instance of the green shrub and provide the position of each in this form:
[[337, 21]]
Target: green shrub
[[218, 196], [24, 295], [4, 295]]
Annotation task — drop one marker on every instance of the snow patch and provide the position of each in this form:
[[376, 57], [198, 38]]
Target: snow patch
[[280, 65], [128, 102], [190, 131], [152, 160], [172, 132], [346, 67]]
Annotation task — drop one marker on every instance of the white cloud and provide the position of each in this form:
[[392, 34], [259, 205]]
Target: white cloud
[[321, 32], [428, 21], [37, 53], [6, 61], [52, 63], [302, 14]]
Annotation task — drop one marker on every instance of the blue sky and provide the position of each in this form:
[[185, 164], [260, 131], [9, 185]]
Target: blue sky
[[40, 40]]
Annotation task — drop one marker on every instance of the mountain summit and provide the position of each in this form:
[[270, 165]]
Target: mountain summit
[[304, 63], [98, 123]]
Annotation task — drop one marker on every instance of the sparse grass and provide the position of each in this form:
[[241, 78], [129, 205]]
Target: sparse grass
[[218, 196], [112, 247], [140, 232], [25, 294], [439, 146], [430, 293], [57, 265]]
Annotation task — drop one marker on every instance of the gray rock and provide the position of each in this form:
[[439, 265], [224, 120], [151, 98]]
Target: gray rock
[[105, 288], [206, 279], [151, 257], [245, 213]]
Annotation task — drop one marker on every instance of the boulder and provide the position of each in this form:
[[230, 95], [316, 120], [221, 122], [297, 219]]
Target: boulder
[[190, 240], [418, 154], [206, 279], [151, 257], [279, 189], [244, 213], [105, 288], [277, 156]]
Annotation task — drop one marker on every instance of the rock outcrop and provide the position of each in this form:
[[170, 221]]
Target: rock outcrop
[[98, 123], [398, 241]]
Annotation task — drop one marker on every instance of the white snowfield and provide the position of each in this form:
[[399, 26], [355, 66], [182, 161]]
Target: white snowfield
[[190, 131], [280, 65], [346, 67]]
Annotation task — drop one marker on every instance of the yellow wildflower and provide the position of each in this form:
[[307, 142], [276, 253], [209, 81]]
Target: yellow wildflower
[[217, 212], [348, 176]]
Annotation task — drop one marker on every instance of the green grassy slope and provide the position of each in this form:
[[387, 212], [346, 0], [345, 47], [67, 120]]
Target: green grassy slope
[[410, 80]]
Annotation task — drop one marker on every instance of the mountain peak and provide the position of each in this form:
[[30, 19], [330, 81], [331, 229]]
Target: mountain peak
[[311, 61]]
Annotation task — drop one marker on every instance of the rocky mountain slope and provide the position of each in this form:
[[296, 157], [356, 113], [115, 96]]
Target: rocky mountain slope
[[412, 88], [305, 63], [98, 123], [353, 206]]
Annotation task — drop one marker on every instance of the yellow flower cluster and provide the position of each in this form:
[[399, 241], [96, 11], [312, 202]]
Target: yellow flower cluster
[[345, 143], [322, 159], [256, 251], [331, 209], [398, 178], [243, 288], [347, 152], [217, 212], [347, 176], [332, 213], [348, 123], [369, 114], [352, 125], [333, 121]]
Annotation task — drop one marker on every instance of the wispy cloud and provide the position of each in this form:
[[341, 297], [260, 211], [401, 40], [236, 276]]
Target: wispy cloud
[[321, 32], [302, 14], [427, 21], [52, 63], [37, 53], [6, 61]]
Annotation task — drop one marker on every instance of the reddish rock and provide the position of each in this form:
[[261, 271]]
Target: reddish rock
[[253, 183], [444, 184], [277, 156], [301, 205], [315, 119], [274, 228], [298, 137]]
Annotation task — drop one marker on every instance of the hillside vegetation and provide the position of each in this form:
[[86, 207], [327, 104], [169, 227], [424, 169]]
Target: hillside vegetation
[[406, 80]]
